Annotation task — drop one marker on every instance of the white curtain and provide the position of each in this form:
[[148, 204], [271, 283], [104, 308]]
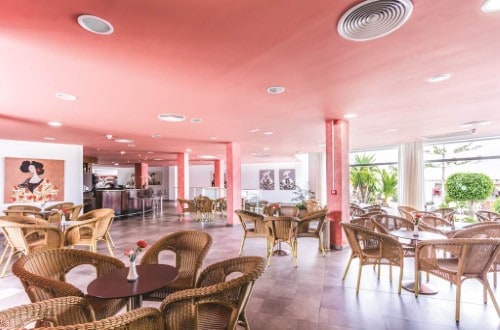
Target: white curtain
[[411, 175]]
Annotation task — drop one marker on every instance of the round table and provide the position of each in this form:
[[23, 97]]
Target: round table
[[115, 283], [422, 236]]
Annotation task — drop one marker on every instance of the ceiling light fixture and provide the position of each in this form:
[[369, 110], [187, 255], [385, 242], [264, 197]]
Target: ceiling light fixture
[[156, 136], [66, 97], [439, 77], [49, 138], [95, 24], [490, 6], [275, 89], [196, 120], [213, 138], [123, 141], [109, 136], [55, 124], [171, 117], [350, 115], [123, 152], [254, 130], [188, 150], [207, 157], [390, 130], [476, 123], [131, 145]]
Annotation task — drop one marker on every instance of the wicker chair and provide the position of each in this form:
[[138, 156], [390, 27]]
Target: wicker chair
[[289, 211], [219, 299], [219, 206], [470, 258], [190, 248], [100, 231], [356, 211], [60, 206], [435, 224], [43, 277], [406, 208], [447, 213], [484, 215], [74, 313], [48, 313], [28, 238], [203, 208], [271, 209], [406, 214], [23, 207], [281, 230], [73, 212], [385, 223], [383, 249], [312, 205], [187, 207], [253, 225], [312, 225]]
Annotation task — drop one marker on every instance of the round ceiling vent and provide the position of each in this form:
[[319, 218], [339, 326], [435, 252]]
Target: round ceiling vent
[[373, 19], [95, 24]]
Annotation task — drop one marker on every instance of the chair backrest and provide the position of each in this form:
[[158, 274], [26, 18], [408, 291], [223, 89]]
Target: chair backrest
[[48, 313], [475, 254], [104, 223], [271, 209], [254, 219], [190, 248], [43, 274], [186, 205], [386, 223], [362, 237], [436, 223], [407, 208], [483, 215], [216, 302], [485, 230], [73, 212], [406, 214], [312, 205], [282, 228], [363, 222], [356, 211], [16, 234], [60, 206], [97, 213], [319, 216], [289, 211], [22, 207], [425, 213], [24, 213]]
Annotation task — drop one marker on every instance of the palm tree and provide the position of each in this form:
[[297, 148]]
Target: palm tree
[[388, 184], [364, 177]]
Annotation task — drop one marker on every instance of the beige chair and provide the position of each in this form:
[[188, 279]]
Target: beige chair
[[203, 208], [312, 225], [484, 215], [60, 206], [253, 225], [43, 276], [100, 213], [190, 247], [435, 224], [72, 313], [312, 205], [469, 258], [289, 211], [187, 207], [281, 230], [219, 299], [356, 211], [447, 213], [22, 207], [385, 223], [383, 249], [406, 214], [219, 207], [18, 239], [271, 209], [407, 208], [73, 212]]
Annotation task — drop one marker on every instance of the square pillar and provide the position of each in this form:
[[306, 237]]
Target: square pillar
[[141, 175], [183, 175], [233, 172], [218, 174]]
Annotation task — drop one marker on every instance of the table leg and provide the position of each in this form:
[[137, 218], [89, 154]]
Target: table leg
[[280, 251], [423, 288], [135, 302]]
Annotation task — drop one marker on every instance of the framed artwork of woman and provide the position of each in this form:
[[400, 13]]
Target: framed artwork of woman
[[33, 180]]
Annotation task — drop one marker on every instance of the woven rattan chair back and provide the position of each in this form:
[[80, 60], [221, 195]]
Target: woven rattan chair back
[[60, 206], [190, 248], [289, 211], [312, 225], [386, 223], [483, 215], [281, 230], [43, 276], [356, 211], [22, 207], [253, 225], [219, 299], [435, 224]]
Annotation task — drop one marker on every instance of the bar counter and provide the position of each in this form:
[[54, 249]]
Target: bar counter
[[125, 201]]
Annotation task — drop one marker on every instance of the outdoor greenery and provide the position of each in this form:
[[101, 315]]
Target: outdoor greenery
[[470, 187], [496, 205]]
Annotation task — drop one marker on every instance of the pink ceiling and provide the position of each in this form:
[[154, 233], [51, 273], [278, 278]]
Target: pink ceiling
[[214, 60]]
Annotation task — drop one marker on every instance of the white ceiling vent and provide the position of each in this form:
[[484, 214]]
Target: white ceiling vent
[[373, 19], [449, 136]]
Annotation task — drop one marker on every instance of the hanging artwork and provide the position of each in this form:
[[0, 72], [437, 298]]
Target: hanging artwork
[[266, 179], [287, 179], [154, 178], [33, 180]]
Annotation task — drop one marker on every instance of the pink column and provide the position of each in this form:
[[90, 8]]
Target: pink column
[[233, 172], [218, 174], [141, 175], [182, 176], [337, 176]]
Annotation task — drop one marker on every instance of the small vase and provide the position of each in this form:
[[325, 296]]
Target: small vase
[[415, 230], [132, 272]]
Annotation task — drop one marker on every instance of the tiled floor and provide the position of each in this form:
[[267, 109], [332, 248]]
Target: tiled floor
[[311, 296]]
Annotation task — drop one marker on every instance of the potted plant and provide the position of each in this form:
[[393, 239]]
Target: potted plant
[[300, 197]]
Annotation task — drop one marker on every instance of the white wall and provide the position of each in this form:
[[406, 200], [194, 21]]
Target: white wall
[[71, 154]]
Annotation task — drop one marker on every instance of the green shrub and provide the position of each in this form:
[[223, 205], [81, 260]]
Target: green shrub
[[468, 187], [496, 205]]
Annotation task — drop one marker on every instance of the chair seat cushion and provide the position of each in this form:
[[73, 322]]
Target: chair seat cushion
[[105, 307]]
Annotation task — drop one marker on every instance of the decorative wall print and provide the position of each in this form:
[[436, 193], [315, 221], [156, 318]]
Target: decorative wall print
[[266, 179], [33, 180], [287, 179], [154, 178]]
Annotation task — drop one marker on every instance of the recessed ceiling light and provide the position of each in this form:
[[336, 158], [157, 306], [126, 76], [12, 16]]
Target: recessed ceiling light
[[49, 138], [350, 115], [109, 136], [158, 159], [490, 6], [171, 117], [268, 133], [275, 90], [123, 152], [188, 150], [150, 152], [196, 120], [55, 124], [156, 136], [116, 164], [131, 145], [439, 77], [389, 130], [265, 148], [207, 157], [66, 97], [254, 130], [95, 24], [123, 141], [476, 123], [213, 138]]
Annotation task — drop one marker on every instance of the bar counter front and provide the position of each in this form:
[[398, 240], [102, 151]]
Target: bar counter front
[[125, 201]]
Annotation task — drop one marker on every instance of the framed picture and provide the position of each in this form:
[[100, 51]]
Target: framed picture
[[287, 179], [33, 180], [266, 179], [154, 178]]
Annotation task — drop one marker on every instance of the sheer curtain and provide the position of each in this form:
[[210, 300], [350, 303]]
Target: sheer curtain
[[411, 175]]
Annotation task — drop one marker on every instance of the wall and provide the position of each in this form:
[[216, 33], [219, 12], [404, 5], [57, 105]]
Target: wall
[[71, 154]]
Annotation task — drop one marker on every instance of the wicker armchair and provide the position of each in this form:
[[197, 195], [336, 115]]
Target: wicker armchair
[[94, 226], [203, 208], [312, 205], [74, 313], [60, 206], [219, 299], [383, 249], [73, 212], [23, 207], [356, 211], [48, 313], [281, 230], [43, 277], [187, 207], [385, 223], [253, 225], [470, 258], [484, 215], [406, 208], [406, 214], [312, 225], [435, 224], [447, 213], [271, 209], [190, 248], [289, 211], [28, 238]]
